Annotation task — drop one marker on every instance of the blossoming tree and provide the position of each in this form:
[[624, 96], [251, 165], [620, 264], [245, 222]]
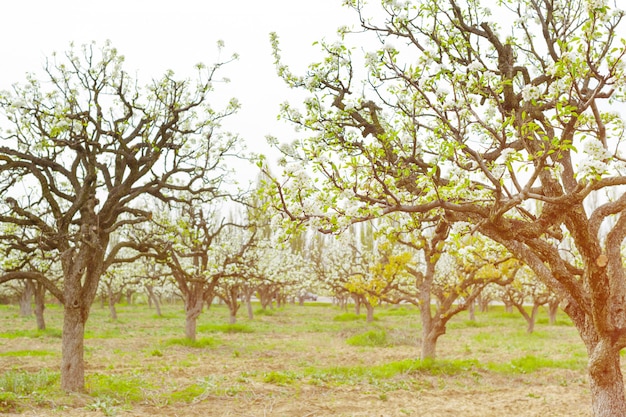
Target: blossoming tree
[[79, 149], [510, 130]]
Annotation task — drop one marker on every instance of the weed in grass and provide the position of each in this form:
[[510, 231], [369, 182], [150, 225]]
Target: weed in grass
[[198, 343], [20, 353], [466, 324], [560, 321], [157, 353], [122, 388], [23, 383], [9, 403], [56, 333], [371, 338], [264, 312], [103, 334], [531, 363], [225, 328], [398, 312], [372, 374], [279, 378], [428, 366], [194, 392], [106, 406], [348, 317]]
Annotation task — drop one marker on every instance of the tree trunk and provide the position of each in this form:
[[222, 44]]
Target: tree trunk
[[508, 306], [471, 308], [193, 309], [430, 329], [40, 305], [606, 381], [370, 312], [429, 340], [532, 319], [483, 303], [357, 305], [112, 310], [26, 309], [190, 326], [72, 364], [157, 306], [233, 307], [428, 347], [553, 309], [249, 307]]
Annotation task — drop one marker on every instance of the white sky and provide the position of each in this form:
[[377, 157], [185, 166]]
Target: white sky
[[156, 35]]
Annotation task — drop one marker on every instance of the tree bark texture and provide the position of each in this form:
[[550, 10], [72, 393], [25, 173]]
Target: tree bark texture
[[370, 312], [193, 309], [72, 363], [26, 297], [40, 306], [111, 301], [553, 309], [606, 381]]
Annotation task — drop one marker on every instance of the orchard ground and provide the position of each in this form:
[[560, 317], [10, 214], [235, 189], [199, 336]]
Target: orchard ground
[[311, 360]]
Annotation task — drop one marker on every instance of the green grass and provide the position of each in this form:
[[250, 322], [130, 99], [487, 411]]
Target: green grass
[[531, 363], [23, 383], [19, 353], [121, 388], [10, 403], [203, 342], [14, 334], [401, 311], [371, 338], [349, 317], [225, 328], [279, 378]]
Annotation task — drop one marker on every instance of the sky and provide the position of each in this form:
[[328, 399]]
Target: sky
[[158, 35]]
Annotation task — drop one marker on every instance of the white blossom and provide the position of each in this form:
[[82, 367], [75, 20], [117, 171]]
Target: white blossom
[[371, 59], [530, 92], [593, 5], [596, 159], [475, 66], [389, 47]]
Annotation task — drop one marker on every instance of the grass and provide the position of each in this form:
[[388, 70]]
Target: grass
[[370, 338], [203, 342], [21, 353], [13, 334], [348, 317], [24, 383], [225, 328], [145, 359], [119, 388]]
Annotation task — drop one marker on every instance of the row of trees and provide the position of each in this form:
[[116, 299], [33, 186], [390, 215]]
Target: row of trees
[[194, 257], [456, 142]]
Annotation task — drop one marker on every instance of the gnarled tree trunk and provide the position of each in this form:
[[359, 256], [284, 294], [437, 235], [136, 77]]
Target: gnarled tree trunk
[[193, 309], [26, 297], [40, 305], [605, 379], [72, 363]]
